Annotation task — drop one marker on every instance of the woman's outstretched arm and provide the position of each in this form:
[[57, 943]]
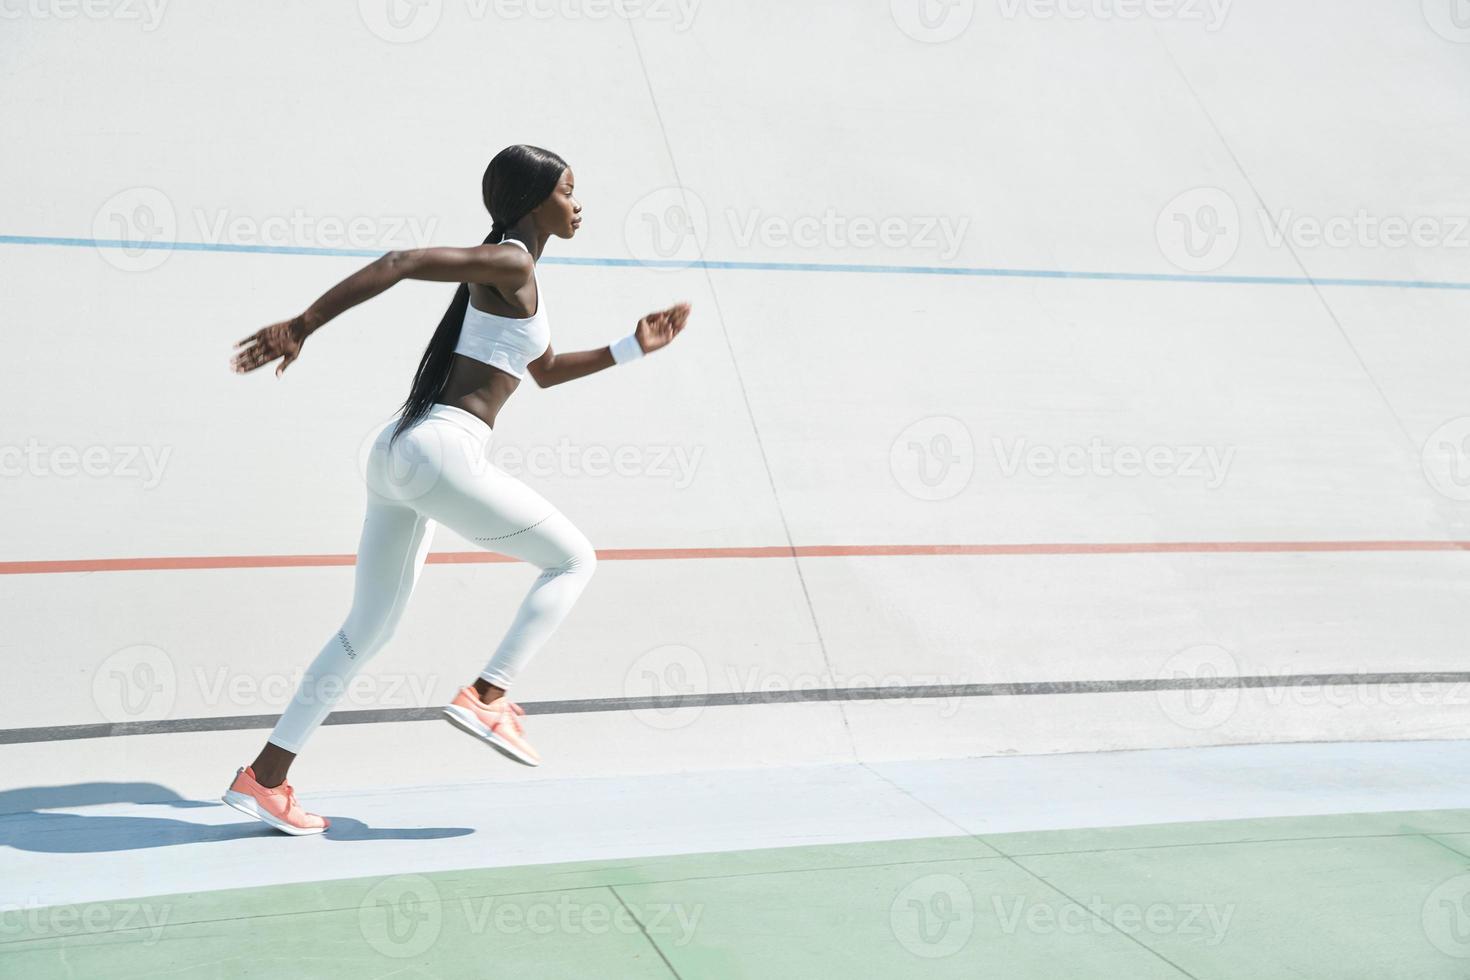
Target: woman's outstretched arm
[[504, 267], [653, 331]]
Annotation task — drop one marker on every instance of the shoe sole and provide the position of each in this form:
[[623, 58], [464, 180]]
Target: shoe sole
[[465, 721], [246, 804]]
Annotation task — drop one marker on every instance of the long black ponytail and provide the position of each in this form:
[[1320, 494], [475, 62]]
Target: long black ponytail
[[519, 178]]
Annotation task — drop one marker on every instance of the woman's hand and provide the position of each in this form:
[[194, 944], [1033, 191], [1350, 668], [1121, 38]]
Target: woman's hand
[[281, 340], [659, 329]]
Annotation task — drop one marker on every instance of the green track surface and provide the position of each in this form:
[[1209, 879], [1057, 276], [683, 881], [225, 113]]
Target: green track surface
[[1372, 896]]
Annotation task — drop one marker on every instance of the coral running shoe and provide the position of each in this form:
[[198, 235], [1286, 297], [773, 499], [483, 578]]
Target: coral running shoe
[[497, 724], [276, 805]]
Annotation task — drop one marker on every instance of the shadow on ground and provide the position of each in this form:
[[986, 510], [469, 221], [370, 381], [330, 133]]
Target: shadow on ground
[[28, 823]]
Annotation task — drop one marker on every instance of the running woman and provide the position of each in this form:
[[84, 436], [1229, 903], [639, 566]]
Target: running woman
[[430, 465]]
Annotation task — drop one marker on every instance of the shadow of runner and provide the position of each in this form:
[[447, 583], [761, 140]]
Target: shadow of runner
[[27, 824], [31, 798]]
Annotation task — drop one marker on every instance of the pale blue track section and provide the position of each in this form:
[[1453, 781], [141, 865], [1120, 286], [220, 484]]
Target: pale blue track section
[[113, 841]]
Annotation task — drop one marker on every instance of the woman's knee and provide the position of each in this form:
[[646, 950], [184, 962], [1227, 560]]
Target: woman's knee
[[574, 554], [586, 559], [581, 559]]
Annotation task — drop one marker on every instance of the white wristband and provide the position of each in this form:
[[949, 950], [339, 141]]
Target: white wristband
[[627, 349]]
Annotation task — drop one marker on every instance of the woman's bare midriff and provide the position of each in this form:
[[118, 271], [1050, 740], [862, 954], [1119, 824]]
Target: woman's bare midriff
[[479, 388]]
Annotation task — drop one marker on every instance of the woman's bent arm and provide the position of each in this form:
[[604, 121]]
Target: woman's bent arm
[[554, 369], [481, 263], [357, 288], [653, 331], [503, 266]]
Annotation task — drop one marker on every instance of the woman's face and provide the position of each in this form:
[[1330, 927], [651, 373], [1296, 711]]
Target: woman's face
[[560, 214]]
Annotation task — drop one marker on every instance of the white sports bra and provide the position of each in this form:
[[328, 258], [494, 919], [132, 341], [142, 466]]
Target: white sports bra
[[508, 343]]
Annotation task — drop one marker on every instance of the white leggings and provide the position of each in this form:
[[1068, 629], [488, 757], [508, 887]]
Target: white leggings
[[439, 471]]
